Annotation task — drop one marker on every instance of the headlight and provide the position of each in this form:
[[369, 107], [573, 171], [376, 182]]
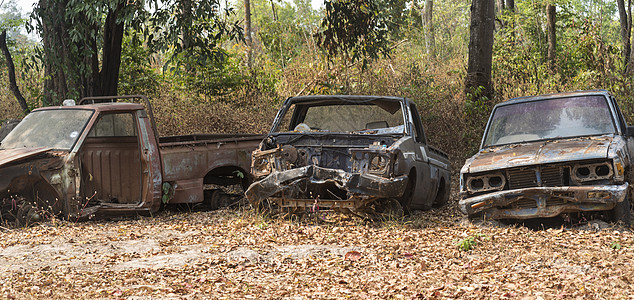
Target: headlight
[[484, 183], [594, 171], [372, 162], [378, 164], [261, 166]]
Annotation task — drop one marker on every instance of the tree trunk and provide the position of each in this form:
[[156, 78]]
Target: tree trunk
[[11, 68], [273, 10], [247, 32], [430, 39], [510, 5], [500, 6], [111, 61], [55, 44], [625, 18], [552, 36], [478, 79]]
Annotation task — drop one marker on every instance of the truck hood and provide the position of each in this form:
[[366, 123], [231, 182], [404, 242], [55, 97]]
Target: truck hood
[[12, 155], [542, 152]]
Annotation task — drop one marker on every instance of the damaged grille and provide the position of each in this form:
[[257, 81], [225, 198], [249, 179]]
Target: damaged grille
[[522, 178], [527, 177], [552, 176]]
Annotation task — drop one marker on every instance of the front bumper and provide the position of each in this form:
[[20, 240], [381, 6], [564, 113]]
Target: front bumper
[[543, 202], [286, 187]]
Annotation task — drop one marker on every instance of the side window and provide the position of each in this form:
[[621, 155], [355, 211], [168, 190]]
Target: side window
[[110, 125], [620, 117], [285, 124], [419, 133]]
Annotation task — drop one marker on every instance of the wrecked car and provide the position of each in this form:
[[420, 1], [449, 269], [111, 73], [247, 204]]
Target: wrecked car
[[348, 153], [104, 157], [542, 156]]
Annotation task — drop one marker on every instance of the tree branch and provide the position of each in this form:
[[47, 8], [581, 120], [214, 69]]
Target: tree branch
[[12, 83]]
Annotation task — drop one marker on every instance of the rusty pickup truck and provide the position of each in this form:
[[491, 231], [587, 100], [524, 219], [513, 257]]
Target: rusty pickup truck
[[104, 157], [542, 156], [348, 153]]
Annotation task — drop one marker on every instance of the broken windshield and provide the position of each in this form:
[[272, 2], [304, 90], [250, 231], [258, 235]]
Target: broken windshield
[[371, 117], [57, 129], [549, 119]]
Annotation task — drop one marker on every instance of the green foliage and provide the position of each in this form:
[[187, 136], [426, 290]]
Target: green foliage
[[470, 242], [359, 29], [136, 75], [615, 245], [239, 174], [10, 18], [168, 192], [210, 77], [191, 28]]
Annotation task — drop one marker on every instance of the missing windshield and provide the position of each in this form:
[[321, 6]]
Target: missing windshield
[[368, 117]]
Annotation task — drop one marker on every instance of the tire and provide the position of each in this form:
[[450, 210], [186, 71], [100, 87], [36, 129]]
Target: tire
[[622, 211], [442, 196], [27, 214], [408, 194]]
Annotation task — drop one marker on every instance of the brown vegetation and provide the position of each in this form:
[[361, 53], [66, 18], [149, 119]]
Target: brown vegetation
[[236, 254]]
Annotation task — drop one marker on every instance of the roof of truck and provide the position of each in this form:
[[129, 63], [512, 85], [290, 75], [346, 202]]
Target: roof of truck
[[110, 106], [554, 96], [359, 98]]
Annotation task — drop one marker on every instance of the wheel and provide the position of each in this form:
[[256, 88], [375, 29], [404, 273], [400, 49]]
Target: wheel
[[408, 195], [621, 212], [27, 214], [442, 196], [217, 199]]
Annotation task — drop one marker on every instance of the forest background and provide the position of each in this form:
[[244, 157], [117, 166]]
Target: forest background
[[205, 73]]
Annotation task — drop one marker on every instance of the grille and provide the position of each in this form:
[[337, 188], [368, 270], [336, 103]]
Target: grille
[[553, 201], [552, 176], [525, 203], [522, 178]]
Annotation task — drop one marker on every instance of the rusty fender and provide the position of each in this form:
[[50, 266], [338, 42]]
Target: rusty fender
[[549, 201], [287, 182]]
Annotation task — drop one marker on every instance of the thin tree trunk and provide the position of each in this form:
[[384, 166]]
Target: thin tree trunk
[[273, 10], [111, 61], [625, 18], [478, 79], [430, 39], [12, 83], [629, 22], [552, 36], [247, 32], [510, 5], [500, 6]]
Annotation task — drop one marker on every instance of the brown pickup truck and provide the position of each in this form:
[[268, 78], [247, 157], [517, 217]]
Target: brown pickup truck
[[105, 157]]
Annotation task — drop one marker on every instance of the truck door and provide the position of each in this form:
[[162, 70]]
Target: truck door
[[111, 160], [426, 182]]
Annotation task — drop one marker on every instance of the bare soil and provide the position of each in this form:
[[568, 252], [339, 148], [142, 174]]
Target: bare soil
[[238, 254]]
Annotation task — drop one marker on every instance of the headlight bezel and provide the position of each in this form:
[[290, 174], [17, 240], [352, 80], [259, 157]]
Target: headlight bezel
[[488, 182], [592, 171]]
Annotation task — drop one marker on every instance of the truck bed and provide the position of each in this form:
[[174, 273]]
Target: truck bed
[[191, 161], [191, 139]]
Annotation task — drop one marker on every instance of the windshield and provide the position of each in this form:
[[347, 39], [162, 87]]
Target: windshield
[[57, 129], [549, 119], [371, 117]]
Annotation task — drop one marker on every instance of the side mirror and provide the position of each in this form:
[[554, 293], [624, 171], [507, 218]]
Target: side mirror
[[629, 131]]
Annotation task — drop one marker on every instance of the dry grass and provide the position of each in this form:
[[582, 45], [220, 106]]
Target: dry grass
[[237, 254]]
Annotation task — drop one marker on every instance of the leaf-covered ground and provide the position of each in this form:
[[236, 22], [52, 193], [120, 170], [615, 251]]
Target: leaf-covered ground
[[237, 254]]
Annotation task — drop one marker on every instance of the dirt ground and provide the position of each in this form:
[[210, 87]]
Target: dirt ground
[[238, 254]]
